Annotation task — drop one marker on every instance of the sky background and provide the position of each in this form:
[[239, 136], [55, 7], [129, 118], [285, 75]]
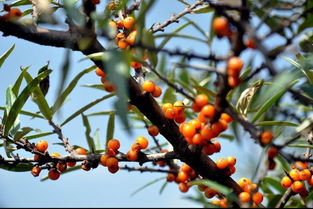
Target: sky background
[[98, 187]]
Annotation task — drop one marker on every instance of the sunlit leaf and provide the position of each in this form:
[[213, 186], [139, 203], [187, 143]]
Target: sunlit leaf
[[90, 141], [110, 127], [35, 136], [20, 133], [146, 185], [6, 54]]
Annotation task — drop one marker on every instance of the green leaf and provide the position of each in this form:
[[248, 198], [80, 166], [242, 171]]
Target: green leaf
[[285, 165], [169, 96], [90, 141], [60, 100], [20, 3], [23, 112], [4, 56], [301, 146], [148, 40], [19, 134], [38, 96], [97, 139], [99, 113], [184, 36], [68, 170], [226, 136], [35, 136], [94, 86], [206, 91], [176, 31], [86, 107], [163, 187], [18, 81], [307, 73], [196, 26], [184, 2], [276, 123], [271, 101], [202, 9], [21, 167], [146, 185], [10, 99], [110, 127], [21, 100], [73, 12], [271, 181]]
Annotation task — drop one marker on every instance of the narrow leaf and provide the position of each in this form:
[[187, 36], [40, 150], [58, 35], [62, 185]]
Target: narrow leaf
[[19, 134], [90, 141], [35, 136], [276, 123], [176, 31], [307, 73], [146, 185], [21, 167], [4, 56], [110, 127]]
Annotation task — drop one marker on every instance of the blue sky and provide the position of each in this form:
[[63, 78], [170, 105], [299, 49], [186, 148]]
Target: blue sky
[[97, 188]]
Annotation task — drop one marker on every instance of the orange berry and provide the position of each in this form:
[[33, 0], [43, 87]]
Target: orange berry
[[257, 198], [223, 124], [42, 145], [179, 106], [310, 181], [157, 92], [61, 166], [85, 167], [186, 168], [266, 137], [100, 72], [114, 144], [161, 163], [223, 203], [294, 174], [53, 174], [148, 86], [113, 169], [132, 155], [272, 152], [109, 86], [131, 38], [182, 176], [188, 130], [206, 132], [286, 182], [35, 171], [226, 117], [216, 202], [142, 141], [244, 181], [234, 66], [135, 65], [15, 13], [250, 188], [170, 177], [70, 164], [196, 123], [122, 44], [37, 158], [170, 113], [153, 130], [166, 106], [305, 175], [231, 160], [183, 187], [103, 79], [222, 163], [119, 36], [129, 22], [180, 117], [231, 170], [208, 111], [111, 162], [217, 128], [233, 81], [201, 100], [217, 146], [110, 152], [195, 107], [103, 159], [55, 154], [95, 1], [197, 139], [209, 149], [244, 197], [250, 43], [136, 147], [220, 26], [209, 192], [81, 151], [301, 165], [202, 118], [297, 186]]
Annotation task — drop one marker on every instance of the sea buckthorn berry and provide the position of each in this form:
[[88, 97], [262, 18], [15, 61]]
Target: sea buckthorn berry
[[244, 181], [42, 145], [250, 188], [142, 141], [220, 26], [250, 43], [209, 192], [81, 151], [224, 124], [113, 24], [103, 79], [310, 181], [15, 13], [188, 130], [112, 162], [161, 163], [70, 164], [179, 106], [305, 175], [294, 174], [223, 203], [166, 106], [234, 66], [202, 118], [110, 152], [202, 187], [131, 38], [6, 7], [208, 111], [226, 117], [215, 202], [100, 72], [230, 170], [195, 107], [135, 65], [244, 197], [201, 100], [109, 86], [170, 113], [209, 149], [286, 182], [197, 139], [180, 117], [122, 44], [185, 168], [301, 165], [85, 167], [136, 147], [95, 1], [55, 154], [53, 174], [222, 163], [119, 37], [153, 130], [231, 160], [233, 81], [272, 152], [257, 198], [183, 187], [114, 144], [36, 171], [170, 177], [266, 137], [217, 128], [129, 22], [61, 166], [182, 176], [206, 133], [103, 159], [271, 164], [148, 86], [37, 157], [297, 186], [157, 92], [132, 155], [196, 123], [217, 146]]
